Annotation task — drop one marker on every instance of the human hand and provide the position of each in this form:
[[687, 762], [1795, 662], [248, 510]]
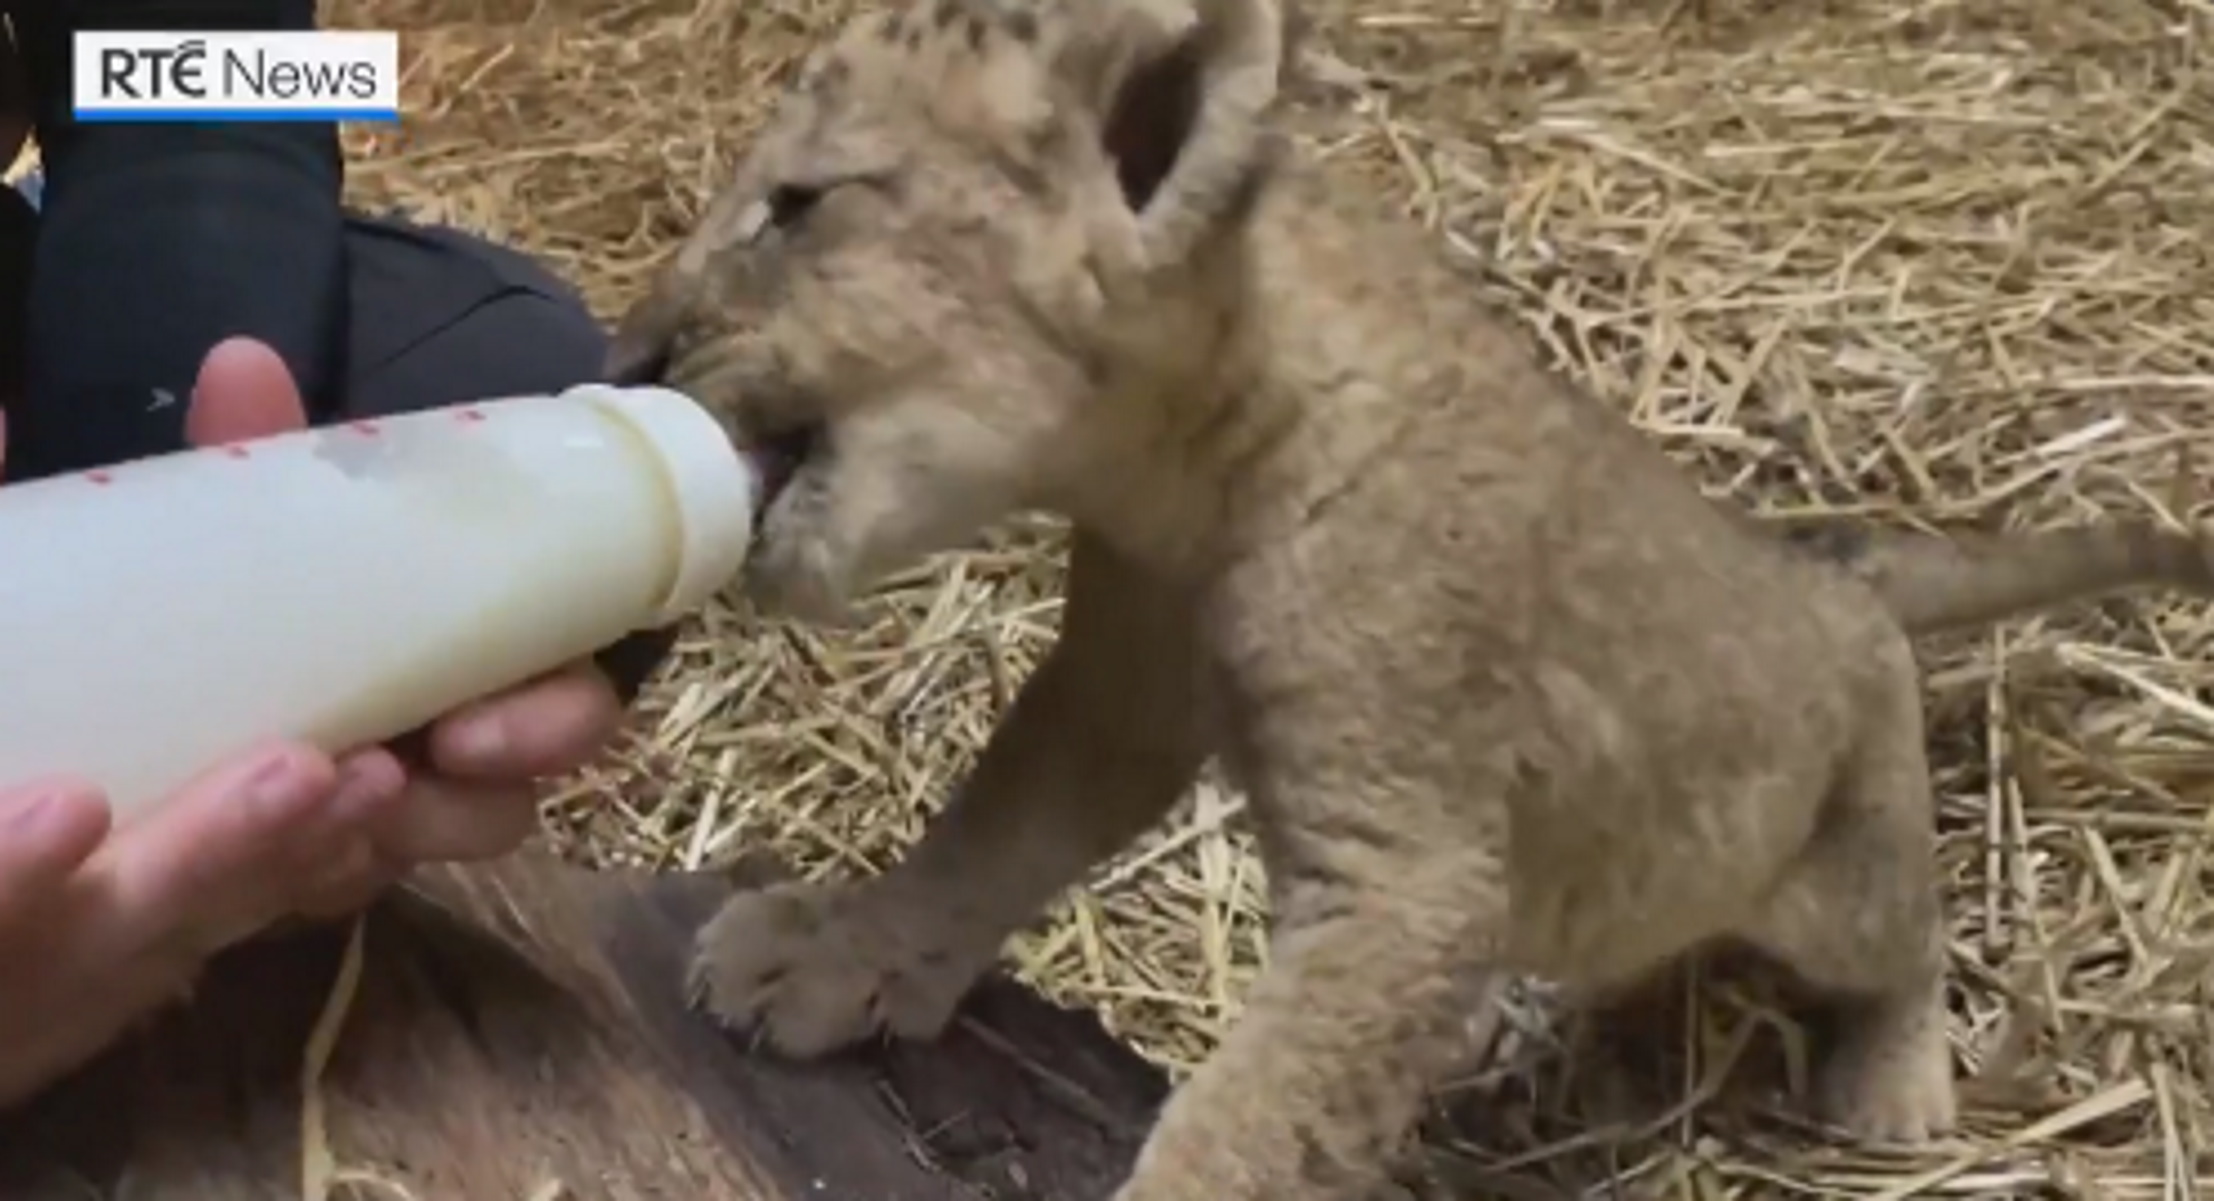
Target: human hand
[[99, 926], [98, 930], [472, 797]]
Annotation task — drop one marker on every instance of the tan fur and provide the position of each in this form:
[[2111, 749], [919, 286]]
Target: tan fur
[[1935, 584], [1507, 693]]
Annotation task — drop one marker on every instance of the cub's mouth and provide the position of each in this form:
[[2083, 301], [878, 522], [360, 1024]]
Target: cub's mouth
[[779, 457]]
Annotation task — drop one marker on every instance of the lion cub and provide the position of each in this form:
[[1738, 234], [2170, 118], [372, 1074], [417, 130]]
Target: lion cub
[[1506, 691]]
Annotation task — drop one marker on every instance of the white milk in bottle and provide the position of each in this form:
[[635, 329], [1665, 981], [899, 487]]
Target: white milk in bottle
[[343, 585]]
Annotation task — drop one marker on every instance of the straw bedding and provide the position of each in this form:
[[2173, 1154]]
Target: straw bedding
[[1919, 258]]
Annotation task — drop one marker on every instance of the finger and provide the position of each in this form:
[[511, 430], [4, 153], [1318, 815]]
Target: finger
[[244, 391], [445, 820], [355, 879], [219, 860], [132, 928], [556, 724], [47, 831], [371, 783]]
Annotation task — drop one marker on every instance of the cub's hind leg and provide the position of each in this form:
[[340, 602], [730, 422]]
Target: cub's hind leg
[[1103, 739], [1860, 918]]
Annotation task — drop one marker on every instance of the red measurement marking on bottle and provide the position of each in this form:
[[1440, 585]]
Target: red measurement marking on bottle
[[101, 478], [468, 416], [367, 429], [237, 451]]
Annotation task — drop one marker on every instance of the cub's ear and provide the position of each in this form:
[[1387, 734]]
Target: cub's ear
[[1180, 90]]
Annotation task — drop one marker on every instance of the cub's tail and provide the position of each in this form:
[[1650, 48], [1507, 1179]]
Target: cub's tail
[[1942, 583]]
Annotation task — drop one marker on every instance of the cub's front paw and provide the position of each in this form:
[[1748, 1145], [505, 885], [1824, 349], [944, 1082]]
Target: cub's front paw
[[1890, 1080], [811, 968]]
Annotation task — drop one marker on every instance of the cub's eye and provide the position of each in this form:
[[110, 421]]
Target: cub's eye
[[789, 204]]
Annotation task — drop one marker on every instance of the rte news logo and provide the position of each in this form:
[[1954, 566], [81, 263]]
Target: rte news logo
[[350, 75]]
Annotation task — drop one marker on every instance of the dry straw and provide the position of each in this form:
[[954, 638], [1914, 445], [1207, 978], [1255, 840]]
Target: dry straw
[[1943, 260]]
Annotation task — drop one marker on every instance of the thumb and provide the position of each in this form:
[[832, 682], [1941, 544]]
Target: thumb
[[244, 392]]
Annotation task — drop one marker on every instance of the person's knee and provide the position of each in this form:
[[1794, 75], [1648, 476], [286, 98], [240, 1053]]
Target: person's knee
[[440, 318]]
